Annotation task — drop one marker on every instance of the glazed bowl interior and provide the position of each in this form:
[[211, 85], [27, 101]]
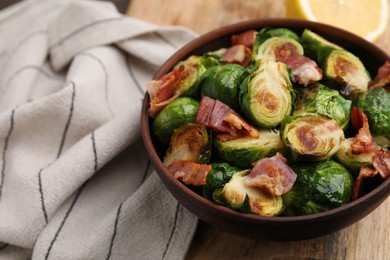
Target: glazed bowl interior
[[254, 226]]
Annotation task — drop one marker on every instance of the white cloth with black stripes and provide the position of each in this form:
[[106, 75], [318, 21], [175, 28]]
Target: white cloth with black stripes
[[75, 181]]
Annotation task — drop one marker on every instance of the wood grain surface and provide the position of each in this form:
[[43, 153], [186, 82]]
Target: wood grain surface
[[366, 239]]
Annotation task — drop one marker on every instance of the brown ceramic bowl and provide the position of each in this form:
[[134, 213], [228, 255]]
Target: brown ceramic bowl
[[250, 225]]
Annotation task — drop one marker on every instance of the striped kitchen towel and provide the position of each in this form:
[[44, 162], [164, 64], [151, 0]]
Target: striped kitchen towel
[[75, 180]]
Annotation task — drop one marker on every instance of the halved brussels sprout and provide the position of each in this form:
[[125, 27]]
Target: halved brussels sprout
[[222, 83], [317, 47], [266, 95], [319, 186], [346, 72], [353, 161], [189, 142], [376, 105], [323, 101], [277, 49], [181, 110], [312, 137], [194, 67], [244, 151], [269, 32], [220, 174], [238, 196]]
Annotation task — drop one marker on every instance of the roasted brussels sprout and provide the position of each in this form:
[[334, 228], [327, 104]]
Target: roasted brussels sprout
[[195, 67], [352, 160], [246, 150], [312, 137], [316, 47], [266, 95], [319, 186], [345, 72], [181, 110], [220, 174], [189, 142], [238, 196], [269, 32], [376, 105], [321, 100], [222, 83], [276, 49]]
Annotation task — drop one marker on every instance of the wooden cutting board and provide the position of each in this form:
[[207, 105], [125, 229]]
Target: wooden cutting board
[[366, 239]]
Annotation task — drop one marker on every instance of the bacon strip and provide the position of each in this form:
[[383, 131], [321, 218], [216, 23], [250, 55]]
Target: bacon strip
[[363, 142], [190, 173], [273, 175], [246, 38], [365, 172], [238, 54], [304, 69], [381, 162], [382, 77], [221, 119], [162, 91]]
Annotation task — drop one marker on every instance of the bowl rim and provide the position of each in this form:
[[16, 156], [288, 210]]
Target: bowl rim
[[377, 195]]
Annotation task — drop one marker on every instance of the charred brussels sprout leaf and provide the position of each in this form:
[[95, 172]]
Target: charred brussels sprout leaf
[[189, 142], [352, 161], [321, 100], [246, 150], [222, 83], [376, 105], [312, 137], [238, 196], [266, 95], [345, 72], [181, 110], [219, 175], [316, 47], [319, 186], [194, 67]]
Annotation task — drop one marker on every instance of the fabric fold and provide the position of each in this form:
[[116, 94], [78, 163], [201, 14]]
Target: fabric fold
[[76, 181]]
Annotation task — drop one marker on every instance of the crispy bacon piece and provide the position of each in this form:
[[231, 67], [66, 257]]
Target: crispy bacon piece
[[272, 175], [237, 54], [381, 162], [365, 172], [163, 91], [223, 120], [246, 38], [363, 142], [382, 77], [304, 69], [190, 173]]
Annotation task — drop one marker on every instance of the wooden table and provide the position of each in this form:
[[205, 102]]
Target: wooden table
[[367, 239]]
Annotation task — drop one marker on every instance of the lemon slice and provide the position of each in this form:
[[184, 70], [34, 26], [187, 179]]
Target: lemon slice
[[366, 18]]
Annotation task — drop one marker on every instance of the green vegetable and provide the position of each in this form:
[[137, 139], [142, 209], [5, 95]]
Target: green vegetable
[[219, 175], [269, 32], [222, 83], [189, 142], [180, 111], [276, 48], [345, 72], [376, 105], [238, 196], [319, 186], [194, 67], [321, 100], [353, 161], [246, 150], [311, 137], [316, 47], [266, 95]]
